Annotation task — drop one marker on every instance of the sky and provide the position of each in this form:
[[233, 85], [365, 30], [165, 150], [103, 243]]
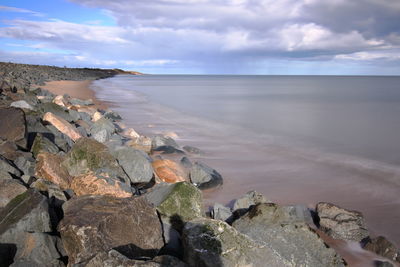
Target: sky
[[284, 37]]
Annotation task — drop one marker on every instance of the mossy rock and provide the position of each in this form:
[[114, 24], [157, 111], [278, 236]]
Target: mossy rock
[[180, 201], [41, 144], [89, 155]]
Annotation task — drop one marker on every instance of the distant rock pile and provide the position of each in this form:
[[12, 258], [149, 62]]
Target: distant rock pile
[[77, 188]]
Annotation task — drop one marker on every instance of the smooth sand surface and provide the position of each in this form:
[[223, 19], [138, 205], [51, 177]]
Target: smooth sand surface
[[75, 89]]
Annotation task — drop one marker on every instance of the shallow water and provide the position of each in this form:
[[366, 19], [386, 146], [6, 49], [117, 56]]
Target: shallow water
[[296, 139]]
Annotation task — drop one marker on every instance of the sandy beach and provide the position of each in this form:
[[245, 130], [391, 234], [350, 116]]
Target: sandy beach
[[76, 89]]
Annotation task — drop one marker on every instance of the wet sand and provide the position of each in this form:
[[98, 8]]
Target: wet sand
[[76, 89]]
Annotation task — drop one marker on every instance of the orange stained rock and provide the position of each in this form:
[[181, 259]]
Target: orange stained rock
[[49, 167], [62, 125], [91, 184], [169, 171]]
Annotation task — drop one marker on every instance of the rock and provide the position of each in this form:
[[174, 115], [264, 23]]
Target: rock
[[102, 129], [209, 242], [141, 143], [43, 144], [32, 249], [53, 190], [80, 102], [27, 179], [220, 212], [94, 224], [379, 263], [26, 165], [114, 258], [112, 115], [75, 115], [9, 189], [13, 126], [85, 117], [131, 133], [289, 237], [56, 110], [168, 171], [115, 142], [7, 167], [299, 213], [192, 150], [5, 175], [172, 237], [89, 155], [185, 162], [168, 150], [9, 150], [340, 223], [22, 104], [136, 164], [383, 247], [181, 200], [97, 116], [249, 199], [160, 140], [63, 126], [27, 212], [92, 184], [61, 101], [204, 177], [50, 167]]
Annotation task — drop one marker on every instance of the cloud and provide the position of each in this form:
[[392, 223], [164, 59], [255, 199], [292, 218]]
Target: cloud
[[20, 10], [221, 35]]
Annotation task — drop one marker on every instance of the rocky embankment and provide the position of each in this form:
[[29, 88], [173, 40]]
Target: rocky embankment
[[77, 188]]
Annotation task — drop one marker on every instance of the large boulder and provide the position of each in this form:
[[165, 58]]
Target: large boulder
[[22, 104], [136, 164], [98, 184], [220, 212], [89, 155], [209, 242], [383, 247], [94, 224], [50, 167], [27, 212], [26, 164], [341, 223], [182, 201], [63, 126], [114, 258], [9, 189], [102, 130], [13, 126], [56, 110], [249, 199], [168, 171], [204, 176], [31, 249], [41, 143], [163, 141], [286, 234]]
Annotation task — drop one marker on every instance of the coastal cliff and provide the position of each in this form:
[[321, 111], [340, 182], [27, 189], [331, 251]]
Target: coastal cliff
[[78, 188]]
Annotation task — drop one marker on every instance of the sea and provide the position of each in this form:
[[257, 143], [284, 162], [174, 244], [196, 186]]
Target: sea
[[295, 139]]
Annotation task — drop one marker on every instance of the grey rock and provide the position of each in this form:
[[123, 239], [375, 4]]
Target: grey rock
[[379, 263], [27, 179], [112, 115], [27, 212], [383, 247], [80, 102], [209, 242], [102, 129], [5, 175], [9, 189], [291, 239], [220, 212], [26, 165], [249, 199], [53, 190], [172, 237], [43, 144], [56, 110], [94, 224], [22, 104], [204, 176], [185, 162], [160, 140], [86, 117], [192, 150], [7, 167], [60, 139], [136, 164], [299, 213], [182, 201], [82, 131], [75, 115], [168, 150], [13, 126], [114, 258], [33, 249], [340, 223]]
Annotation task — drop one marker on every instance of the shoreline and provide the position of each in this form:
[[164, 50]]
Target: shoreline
[[88, 166]]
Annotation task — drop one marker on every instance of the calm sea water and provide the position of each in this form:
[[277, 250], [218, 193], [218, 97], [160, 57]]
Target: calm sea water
[[297, 139]]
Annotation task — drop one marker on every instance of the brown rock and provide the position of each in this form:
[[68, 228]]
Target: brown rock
[[61, 101], [9, 189], [13, 125], [92, 184], [383, 247], [94, 224], [96, 116], [9, 150], [63, 126], [142, 143], [49, 167], [89, 110], [169, 171]]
